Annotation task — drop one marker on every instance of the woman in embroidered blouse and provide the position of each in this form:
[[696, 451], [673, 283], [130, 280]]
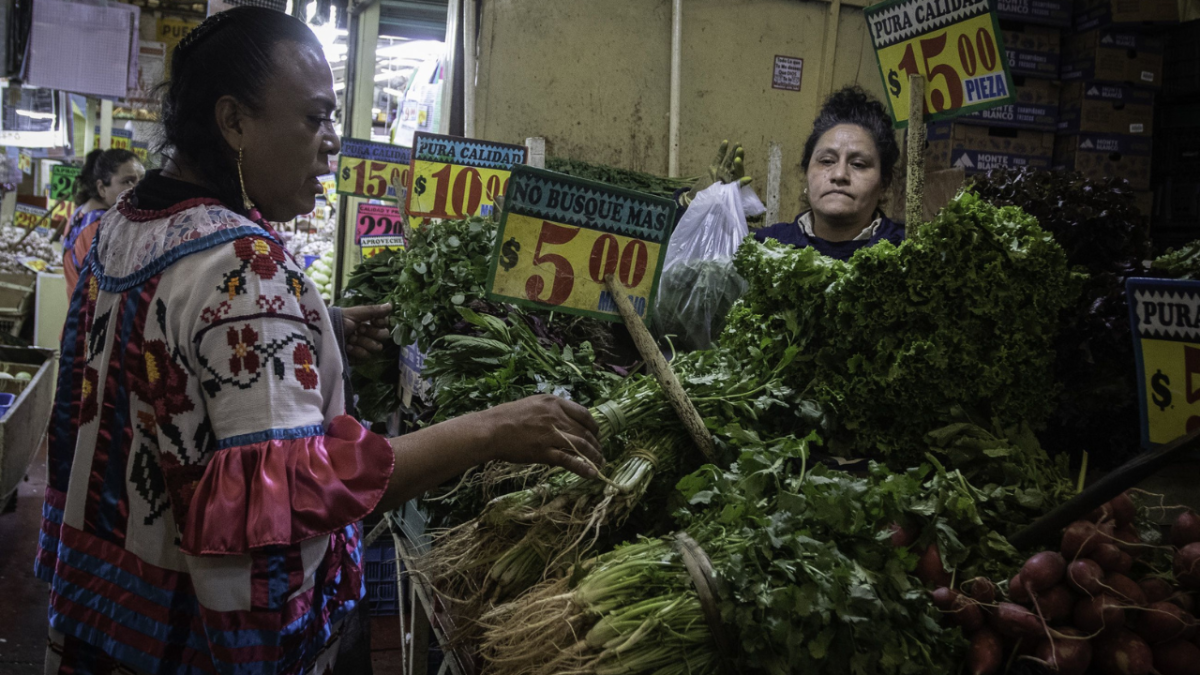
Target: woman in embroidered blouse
[[204, 482], [105, 175]]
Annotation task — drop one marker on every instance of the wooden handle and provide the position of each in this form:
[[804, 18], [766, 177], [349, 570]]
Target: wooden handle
[[658, 365]]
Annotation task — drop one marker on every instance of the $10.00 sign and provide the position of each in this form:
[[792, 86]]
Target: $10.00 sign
[[456, 177], [955, 44], [1165, 317], [561, 237]]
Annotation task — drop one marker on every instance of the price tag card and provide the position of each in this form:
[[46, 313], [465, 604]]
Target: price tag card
[[329, 187], [141, 149], [459, 177], [62, 212], [122, 139], [25, 162], [28, 217], [560, 237], [368, 169], [373, 246], [62, 181], [1165, 317], [956, 44], [378, 220]]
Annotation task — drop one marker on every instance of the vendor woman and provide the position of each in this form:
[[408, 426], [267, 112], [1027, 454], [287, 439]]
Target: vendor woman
[[849, 161], [205, 484]]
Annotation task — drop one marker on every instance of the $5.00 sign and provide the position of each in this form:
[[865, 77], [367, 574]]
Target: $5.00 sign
[[369, 169], [560, 237], [955, 44], [62, 181], [456, 177], [1165, 317]]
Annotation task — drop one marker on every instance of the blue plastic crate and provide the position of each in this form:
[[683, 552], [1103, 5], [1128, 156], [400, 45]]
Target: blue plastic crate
[[379, 573], [6, 402]]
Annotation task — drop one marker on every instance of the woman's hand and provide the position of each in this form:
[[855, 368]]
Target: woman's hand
[[545, 430], [365, 328]]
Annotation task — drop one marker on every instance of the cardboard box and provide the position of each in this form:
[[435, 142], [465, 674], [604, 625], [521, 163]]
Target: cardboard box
[[1045, 12], [1105, 155], [1106, 108], [1091, 14], [975, 148], [1036, 108], [1035, 51], [1111, 56]]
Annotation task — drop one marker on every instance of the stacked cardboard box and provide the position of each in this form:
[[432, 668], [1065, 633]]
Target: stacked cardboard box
[[1112, 69], [1177, 143]]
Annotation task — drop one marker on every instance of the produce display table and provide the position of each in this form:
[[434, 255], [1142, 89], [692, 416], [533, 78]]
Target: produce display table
[[24, 425]]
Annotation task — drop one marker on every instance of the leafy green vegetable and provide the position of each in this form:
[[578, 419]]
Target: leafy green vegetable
[[625, 178], [694, 297], [1181, 263]]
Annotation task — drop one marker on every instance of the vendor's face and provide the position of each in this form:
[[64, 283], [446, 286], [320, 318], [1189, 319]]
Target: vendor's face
[[287, 144], [126, 176], [845, 181]]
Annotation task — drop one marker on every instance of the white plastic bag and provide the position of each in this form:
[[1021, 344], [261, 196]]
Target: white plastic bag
[[699, 284]]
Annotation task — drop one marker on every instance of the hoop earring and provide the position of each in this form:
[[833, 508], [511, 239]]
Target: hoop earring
[[246, 203]]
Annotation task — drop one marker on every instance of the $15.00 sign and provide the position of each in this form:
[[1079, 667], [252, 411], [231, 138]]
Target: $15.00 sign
[[1165, 317], [369, 169], [560, 237], [456, 177], [955, 44]]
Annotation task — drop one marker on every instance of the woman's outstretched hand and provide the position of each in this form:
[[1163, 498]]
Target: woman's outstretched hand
[[546, 429]]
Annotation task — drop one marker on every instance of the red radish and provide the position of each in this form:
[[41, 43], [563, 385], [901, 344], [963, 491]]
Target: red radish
[[1187, 566], [930, 569], [1067, 655], [1164, 622], [1184, 600], [1016, 621], [1042, 571], [1177, 658], [1186, 529], [986, 654], [1086, 576], [901, 538], [1125, 566], [1124, 654], [1156, 589], [1079, 539], [968, 614], [1057, 603], [1101, 613], [943, 598], [1123, 510], [983, 590], [1017, 591], [1128, 539], [1125, 589], [1101, 513], [1108, 556]]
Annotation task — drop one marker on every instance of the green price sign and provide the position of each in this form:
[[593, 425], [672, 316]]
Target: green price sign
[[62, 181]]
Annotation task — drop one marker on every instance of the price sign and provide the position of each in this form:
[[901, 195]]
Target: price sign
[[373, 246], [122, 139], [368, 169], [141, 149], [329, 187], [62, 181], [957, 46], [28, 217], [459, 177], [376, 220], [25, 162], [62, 212], [1165, 317], [560, 237]]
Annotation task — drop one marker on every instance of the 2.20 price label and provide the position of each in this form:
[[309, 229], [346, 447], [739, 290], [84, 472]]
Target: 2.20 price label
[[374, 220], [957, 47], [62, 181], [560, 238], [369, 169], [454, 177]]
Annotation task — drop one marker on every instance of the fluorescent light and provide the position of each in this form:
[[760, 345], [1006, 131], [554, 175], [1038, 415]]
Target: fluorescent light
[[394, 93], [36, 115]]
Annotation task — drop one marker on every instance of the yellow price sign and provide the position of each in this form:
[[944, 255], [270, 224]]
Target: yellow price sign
[[957, 46], [561, 237], [370, 169], [1165, 317], [374, 245], [122, 139], [27, 216], [25, 162], [454, 177]]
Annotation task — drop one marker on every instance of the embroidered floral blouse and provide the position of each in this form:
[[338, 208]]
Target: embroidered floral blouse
[[204, 483]]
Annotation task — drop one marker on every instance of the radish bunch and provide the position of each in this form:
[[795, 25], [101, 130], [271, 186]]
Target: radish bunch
[[1079, 610]]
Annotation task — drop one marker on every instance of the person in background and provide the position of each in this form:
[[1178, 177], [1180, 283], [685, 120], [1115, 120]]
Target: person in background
[[849, 161], [105, 175], [205, 485]]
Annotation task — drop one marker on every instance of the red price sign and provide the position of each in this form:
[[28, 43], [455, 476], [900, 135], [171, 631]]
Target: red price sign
[[368, 169], [378, 220], [456, 177]]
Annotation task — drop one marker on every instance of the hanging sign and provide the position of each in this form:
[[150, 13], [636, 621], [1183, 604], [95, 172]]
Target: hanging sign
[[62, 181], [560, 237], [27, 217], [141, 149], [122, 139], [378, 220], [373, 246], [957, 46], [329, 187], [368, 169], [62, 211], [25, 161], [458, 177], [1165, 318]]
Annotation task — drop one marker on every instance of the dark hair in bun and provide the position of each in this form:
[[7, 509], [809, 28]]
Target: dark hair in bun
[[100, 165], [852, 105]]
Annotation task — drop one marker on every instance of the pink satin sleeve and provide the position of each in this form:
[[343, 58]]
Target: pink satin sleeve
[[285, 491]]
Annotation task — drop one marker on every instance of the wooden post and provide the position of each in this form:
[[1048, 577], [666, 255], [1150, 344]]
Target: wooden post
[[774, 178], [914, 209], [658, 365]]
